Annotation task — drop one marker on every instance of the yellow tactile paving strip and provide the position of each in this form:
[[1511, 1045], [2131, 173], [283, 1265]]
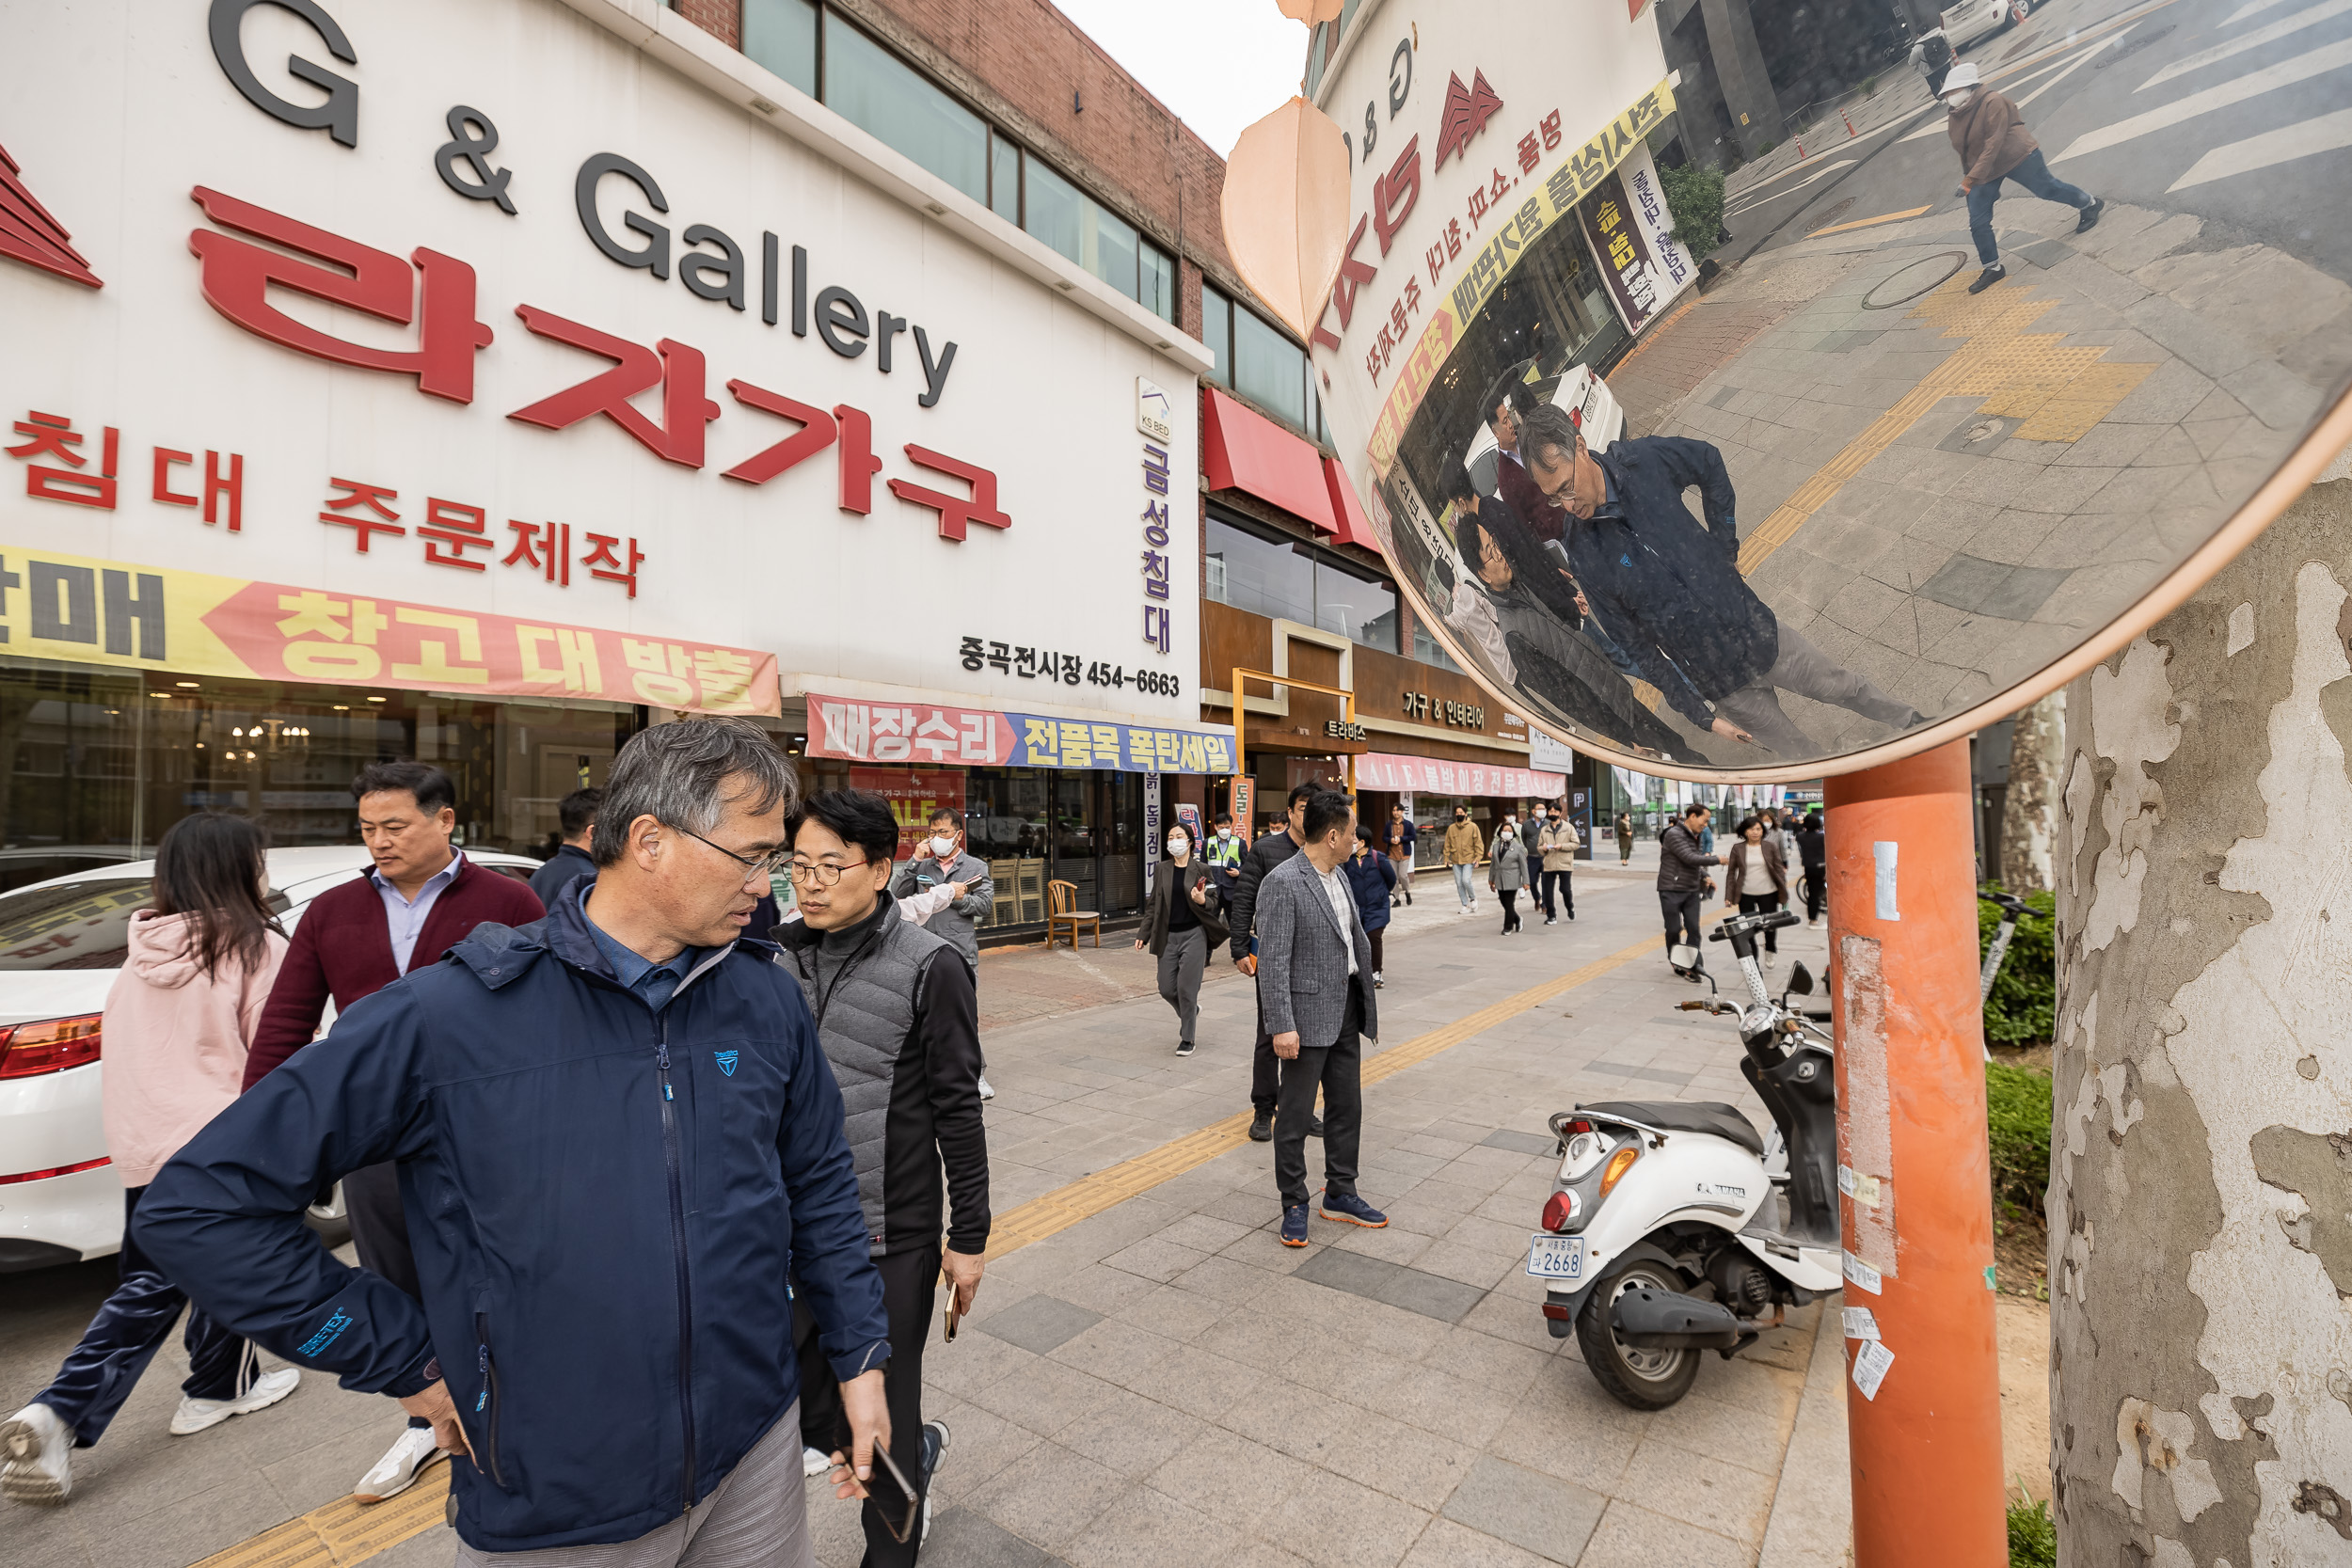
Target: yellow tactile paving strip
[[2059, 392], [345, 1532], [1866, 223], [1064, 1207]]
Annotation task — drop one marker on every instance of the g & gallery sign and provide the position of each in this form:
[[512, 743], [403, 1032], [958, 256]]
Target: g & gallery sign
[[393, 248]]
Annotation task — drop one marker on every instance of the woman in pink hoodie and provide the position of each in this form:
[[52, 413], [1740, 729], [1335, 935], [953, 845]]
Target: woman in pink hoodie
[[179, 1019]]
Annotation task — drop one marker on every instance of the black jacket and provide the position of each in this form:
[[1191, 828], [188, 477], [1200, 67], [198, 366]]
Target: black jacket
[[1812, 847], [1668, 588], [927, 1041], [1680, 866], [1261, 858], [1173, 882], [565, 866]]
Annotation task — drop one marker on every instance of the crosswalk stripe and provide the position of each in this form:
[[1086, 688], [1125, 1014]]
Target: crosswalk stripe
[[2083, 60], [2255, 40], [1936, 127], [2320, 133], [2252, 7], [1749, 205], [2254, 84]]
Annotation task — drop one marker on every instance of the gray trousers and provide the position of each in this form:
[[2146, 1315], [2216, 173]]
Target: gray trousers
[[1181, 959], [756, 1518], [1806, 670]]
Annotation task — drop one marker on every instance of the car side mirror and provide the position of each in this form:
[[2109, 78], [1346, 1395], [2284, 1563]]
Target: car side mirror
[[1800, 979]]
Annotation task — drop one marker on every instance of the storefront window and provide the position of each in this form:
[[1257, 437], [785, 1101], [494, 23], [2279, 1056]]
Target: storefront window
[[1036, 824], [100, 764], [1285, 582]]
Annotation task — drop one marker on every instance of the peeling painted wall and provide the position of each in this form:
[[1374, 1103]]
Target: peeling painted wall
[[2200, 1196]]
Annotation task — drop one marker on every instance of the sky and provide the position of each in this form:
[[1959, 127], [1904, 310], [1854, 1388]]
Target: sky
[[1221, 65]]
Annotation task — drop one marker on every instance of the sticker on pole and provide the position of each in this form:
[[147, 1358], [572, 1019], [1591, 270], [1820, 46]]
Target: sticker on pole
[[1871, 1362], [1861, 1188], [1860, 1324], [1860, 1273], [1776, 552]]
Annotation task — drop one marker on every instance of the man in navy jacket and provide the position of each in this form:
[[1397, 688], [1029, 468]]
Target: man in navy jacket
[[1670, 591], [615, 1135]]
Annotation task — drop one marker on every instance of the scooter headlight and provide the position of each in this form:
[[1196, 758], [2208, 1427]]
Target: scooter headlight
[[1619, 1163]]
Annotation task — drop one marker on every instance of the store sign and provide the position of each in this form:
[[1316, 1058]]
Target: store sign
[[1340, 729], [112, 612], [1548, 755], [859, 730], [1624, 252], [914, 796], [577, 342], [1446, 710], [1386, 771]]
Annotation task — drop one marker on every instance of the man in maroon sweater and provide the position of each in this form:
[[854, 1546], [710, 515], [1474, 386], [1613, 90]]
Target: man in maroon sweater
[[420, 898]]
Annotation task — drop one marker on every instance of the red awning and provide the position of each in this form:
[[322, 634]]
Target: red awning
[[1244, 450], [1354, 529]]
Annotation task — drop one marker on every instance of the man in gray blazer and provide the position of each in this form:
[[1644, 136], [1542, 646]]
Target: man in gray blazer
[[1314, 986]]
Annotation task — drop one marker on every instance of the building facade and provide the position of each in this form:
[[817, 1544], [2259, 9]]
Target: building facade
[[849, 366]]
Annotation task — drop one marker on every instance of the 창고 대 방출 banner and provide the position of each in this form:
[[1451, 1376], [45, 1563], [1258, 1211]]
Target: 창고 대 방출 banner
[[130, 616]]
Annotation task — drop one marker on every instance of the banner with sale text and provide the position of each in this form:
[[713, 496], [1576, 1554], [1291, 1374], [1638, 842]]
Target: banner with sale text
[[91, 612]]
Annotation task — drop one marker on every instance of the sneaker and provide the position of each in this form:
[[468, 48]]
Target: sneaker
[[35, 1442], [814, 1461], [1350, 1210], [195, 1415], [988, 1090], [1989, 277], [935, 1441], [2091, 213], [1295, 1225], [1261, 1128], [402, 1463], [1184, 1048], [1554, 920]]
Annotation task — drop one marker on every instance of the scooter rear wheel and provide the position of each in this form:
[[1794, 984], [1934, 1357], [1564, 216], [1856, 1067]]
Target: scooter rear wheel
[[1642, 1379]]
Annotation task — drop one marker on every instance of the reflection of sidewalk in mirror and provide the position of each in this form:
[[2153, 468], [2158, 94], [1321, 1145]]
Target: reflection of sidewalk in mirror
[[1948, 493]]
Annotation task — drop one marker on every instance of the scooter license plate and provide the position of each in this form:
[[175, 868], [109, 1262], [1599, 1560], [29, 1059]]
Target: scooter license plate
[[1557, 1257]]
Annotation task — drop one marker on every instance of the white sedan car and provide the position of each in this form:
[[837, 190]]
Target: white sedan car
[[61, 942], [1973, 20]]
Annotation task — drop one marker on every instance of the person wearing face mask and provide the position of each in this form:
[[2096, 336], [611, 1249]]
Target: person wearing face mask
[[1371, 877], [1402, 836], [1464, 848], [1989, 133], [942, 860], [1555, 846], [1181, 927], [1223, 854], [1506, 873]]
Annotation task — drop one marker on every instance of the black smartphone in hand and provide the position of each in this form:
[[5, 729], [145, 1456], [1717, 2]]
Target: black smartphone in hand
[[889, 1491]]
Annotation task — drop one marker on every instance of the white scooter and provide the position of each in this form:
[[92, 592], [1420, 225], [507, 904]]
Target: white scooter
[[1672, 1227]]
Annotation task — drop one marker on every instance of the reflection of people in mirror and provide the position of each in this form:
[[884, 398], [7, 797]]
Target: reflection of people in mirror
[[1990, 136], [1670, 591]]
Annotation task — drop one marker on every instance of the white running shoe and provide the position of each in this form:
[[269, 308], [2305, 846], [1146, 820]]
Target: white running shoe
[[402, 1463], [988, 1090], [814, 1461], [33, 1443], [195, 1415]]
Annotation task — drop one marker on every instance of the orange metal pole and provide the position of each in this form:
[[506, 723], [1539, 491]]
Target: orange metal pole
[[1925, 1426]]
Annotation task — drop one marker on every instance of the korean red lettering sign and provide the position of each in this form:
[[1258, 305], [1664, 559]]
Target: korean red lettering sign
[[857, 730]]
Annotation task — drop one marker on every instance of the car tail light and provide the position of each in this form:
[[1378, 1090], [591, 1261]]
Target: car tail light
[[1618, 1165], [52, 1045], [54, 1171], [1558, 1210]]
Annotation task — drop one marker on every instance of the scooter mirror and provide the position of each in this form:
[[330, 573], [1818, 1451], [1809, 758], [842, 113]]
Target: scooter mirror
[[1683, 958], [1800, 980]]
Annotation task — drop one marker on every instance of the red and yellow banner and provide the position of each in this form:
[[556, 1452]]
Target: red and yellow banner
[[136, 617]]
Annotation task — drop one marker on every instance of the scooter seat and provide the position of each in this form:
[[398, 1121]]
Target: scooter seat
[[1688, 1115]]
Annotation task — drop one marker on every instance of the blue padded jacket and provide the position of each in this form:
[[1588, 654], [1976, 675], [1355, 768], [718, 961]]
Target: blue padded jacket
[[605, 1203]]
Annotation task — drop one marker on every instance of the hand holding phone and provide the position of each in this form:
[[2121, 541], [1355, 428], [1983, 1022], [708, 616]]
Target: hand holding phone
[[887, 1489]]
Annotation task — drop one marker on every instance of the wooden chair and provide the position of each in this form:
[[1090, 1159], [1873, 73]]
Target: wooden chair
[[1061, 909]]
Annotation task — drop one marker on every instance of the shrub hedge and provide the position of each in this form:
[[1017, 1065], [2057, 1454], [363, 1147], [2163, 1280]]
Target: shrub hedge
[[2023, 999]]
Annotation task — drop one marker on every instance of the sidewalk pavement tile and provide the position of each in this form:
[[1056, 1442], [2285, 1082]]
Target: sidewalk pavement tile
[[1540, 1514], [1707, 1493], [966, 1538], [1342, 1524], [1228, 1476], [1148, 1530], [1132, 1434], [1114, 1351], [1398, 1460], [1751, 1440], [1040, 1323], [1051, 1496], [1044, 1397], [1633, 1537]]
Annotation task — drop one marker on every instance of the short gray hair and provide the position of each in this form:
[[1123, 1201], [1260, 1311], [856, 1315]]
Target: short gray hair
[[1547, 428], [687, 774]]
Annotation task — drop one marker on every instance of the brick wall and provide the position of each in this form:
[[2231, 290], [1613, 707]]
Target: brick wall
[[720, 19]]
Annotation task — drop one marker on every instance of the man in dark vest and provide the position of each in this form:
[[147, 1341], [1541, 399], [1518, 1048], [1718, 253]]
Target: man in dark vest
[[897, 1016]]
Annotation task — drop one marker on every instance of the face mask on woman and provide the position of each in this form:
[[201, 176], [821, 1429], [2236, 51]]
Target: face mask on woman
[[1505, 837], [1961, 100], [1178, 843], [943, 846]]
